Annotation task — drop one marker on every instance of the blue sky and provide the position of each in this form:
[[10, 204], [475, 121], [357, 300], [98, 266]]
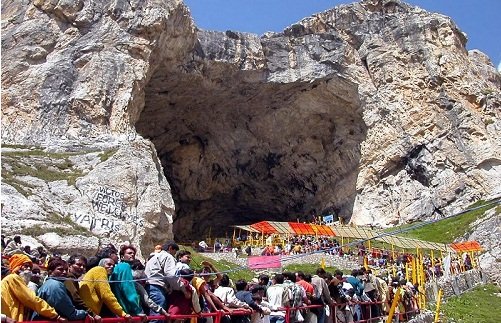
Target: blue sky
[[479, 19]]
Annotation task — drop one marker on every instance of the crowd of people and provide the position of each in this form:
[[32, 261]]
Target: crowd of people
[[384, 260], [38, 285], [113, 283]]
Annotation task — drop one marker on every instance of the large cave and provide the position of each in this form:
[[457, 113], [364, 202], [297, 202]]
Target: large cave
[[237, 148]]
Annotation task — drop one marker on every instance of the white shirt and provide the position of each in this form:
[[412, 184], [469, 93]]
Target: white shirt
[[180, 266], [227, 296], [276, 294]]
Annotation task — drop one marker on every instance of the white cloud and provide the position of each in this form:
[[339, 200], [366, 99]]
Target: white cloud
[[499, 67]]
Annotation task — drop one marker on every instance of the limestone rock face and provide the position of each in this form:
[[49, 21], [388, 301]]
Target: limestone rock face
[[73, 78], [87, 197], [373, 111], [78, 68]]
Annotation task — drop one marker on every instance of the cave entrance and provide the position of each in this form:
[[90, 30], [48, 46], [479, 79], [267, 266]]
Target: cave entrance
[[237, 149]]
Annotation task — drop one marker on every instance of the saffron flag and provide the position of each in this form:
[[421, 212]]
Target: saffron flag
[[263, 262]]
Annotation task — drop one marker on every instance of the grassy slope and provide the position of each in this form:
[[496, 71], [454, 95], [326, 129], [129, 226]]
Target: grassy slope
[[447, 230], [480, 305]]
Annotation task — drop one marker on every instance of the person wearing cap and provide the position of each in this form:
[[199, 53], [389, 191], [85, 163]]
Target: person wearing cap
[[17, 298], [160, 270]]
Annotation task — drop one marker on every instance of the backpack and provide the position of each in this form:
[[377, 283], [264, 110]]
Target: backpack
[[297, 296], [286, 296]]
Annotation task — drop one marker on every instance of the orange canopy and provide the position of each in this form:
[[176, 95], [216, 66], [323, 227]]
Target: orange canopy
[[466, 246], [268, 227]]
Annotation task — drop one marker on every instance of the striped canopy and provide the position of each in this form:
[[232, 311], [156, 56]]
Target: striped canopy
[[296, 228], [362, 233]]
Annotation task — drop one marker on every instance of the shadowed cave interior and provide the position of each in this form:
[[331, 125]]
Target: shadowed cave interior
[[237, 149]]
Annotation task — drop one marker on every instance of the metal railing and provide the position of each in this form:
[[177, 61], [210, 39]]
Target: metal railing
[[218, 315]]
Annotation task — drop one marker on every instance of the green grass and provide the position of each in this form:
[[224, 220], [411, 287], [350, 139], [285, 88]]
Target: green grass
[[38, 230], [447, 230], [35, 230], [62, 167], [19, 185], [46, 174], [62, 170], [233, 270], [39, 153], [57, 219], [480, 305], [15, 146], [307, 268], [105, 155]]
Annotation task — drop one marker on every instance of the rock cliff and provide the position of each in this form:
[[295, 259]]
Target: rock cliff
[[372, 111]]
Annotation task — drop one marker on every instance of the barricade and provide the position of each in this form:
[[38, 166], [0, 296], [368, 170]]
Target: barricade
[[217, 316]]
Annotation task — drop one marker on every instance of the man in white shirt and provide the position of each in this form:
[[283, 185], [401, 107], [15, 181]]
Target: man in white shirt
[[227, 294], [279, 296]]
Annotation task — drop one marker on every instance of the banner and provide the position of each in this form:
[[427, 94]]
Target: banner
[[263, 262]]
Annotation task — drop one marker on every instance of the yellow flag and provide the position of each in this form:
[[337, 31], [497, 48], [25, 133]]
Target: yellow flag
[[322, 263]]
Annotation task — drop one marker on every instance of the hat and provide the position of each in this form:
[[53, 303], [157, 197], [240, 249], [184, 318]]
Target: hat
[[17, 260]]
